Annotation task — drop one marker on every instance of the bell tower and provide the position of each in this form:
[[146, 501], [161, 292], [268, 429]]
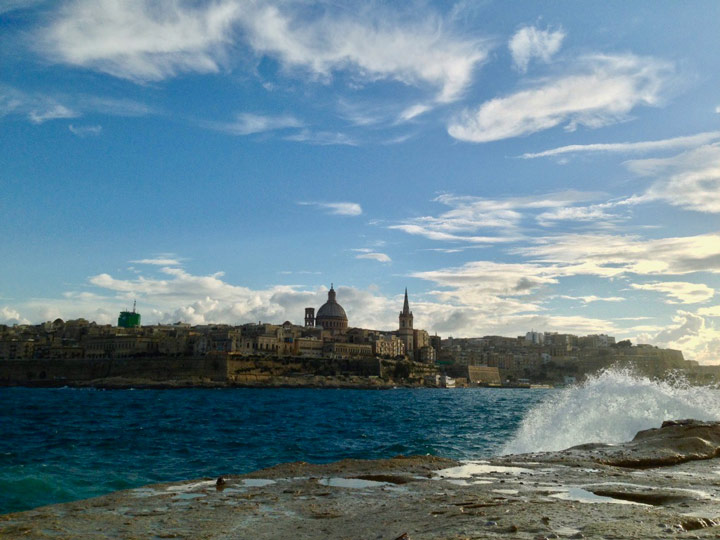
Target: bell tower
[[405, 332]]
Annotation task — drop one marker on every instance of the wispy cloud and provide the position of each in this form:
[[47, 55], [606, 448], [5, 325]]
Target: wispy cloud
[[413, 111], [145, 41], [85, 131], [337, 208], [40, 107], [690, 180], [51, 112], [674, 143], [608, 255], [680, 292], [159, 261], [530, 42], [249, 123], [603, 90], [373, 256], [470, 215], [596, 214], [321, 138], [140, 40], [373, 44], [592, 298]]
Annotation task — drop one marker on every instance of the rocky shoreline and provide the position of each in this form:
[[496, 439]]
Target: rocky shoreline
[[663, 484]]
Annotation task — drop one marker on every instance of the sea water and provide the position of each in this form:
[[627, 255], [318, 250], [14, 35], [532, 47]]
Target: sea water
[[64, 444]]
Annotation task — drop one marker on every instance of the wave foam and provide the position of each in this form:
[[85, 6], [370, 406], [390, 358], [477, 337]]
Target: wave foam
[[610, 407]]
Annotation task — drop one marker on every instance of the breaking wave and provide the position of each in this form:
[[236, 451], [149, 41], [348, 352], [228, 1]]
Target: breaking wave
[[610, 407]]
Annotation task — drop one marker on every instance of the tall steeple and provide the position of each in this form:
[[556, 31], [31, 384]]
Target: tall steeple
[[405, 332]]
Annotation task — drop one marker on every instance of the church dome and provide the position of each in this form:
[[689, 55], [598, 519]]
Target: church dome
[[331, 315], [331, 308]]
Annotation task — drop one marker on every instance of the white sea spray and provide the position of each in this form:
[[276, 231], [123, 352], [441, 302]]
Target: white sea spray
[[610, 407]]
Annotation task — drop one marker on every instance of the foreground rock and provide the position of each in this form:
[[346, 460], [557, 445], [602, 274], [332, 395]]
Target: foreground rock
[[665, 483]]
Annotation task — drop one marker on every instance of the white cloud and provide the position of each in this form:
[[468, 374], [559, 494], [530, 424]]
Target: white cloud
[[690, 180], [413, 111], [679, 291], [52, 112], [337, 208], [690, 333], [139, 39], [530, 42], [177, 295], [614, 255], [372, 45], [39, 107], [688, 141], [85, 131], [594, 213], [603, 91], [146, 41], [468, 215], [375, 256], [712, 311], [11, 316], [248, 124], [159, 261], [321, 138], [592, 298]]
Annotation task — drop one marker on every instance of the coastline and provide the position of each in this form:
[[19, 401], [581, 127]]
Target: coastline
[[315, 382], [139, 383], [661, 484]]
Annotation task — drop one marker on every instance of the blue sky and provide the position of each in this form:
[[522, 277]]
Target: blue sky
[[517, 165]]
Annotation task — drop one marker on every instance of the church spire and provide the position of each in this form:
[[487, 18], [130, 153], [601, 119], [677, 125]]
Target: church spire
[[406, 304]]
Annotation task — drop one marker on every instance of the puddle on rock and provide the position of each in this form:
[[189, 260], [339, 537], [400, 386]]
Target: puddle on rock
[[464, 482], [353, 483], [189, 487], [188, 496], [584, 496], [474, 468], [140, 493], [257, 482]]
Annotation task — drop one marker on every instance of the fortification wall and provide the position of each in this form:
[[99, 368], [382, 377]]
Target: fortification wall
[[68, 371]]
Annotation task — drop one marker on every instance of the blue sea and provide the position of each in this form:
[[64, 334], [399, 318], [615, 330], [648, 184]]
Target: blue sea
[[63, 444]]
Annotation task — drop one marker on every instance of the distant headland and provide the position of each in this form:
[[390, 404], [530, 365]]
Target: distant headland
[[324, 352]]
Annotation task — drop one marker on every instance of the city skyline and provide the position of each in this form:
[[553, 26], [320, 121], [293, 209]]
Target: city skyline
[[516, 166]]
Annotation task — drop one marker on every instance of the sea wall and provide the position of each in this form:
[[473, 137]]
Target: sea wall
[[52, 372], [250, 371], [204, 370]]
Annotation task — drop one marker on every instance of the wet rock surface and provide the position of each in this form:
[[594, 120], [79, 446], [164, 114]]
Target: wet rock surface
[[593, 491]]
